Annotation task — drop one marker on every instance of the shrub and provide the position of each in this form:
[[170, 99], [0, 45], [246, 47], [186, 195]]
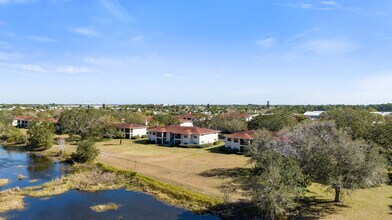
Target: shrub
[[218, 142], [205, 145], [229, 150], [119, 135], [136, 137], [188, 145], [86, 152], [14, 135], [150, 142]]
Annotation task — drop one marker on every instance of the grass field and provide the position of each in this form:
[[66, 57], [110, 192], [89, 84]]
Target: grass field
[[186, 167], [373, 203], [205, 170]]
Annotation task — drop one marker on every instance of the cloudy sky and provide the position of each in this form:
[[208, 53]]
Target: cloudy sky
[[204, 51]]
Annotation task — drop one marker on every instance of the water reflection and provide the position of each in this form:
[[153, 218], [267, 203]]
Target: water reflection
[[35, 169], [76, 205]]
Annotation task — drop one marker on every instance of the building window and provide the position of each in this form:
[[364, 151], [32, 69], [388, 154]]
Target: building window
[[228, 139], [235, 140], [185, 136], [153, 133], [195, 137]]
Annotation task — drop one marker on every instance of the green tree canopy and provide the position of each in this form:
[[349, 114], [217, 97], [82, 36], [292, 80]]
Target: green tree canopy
[[87, 123], [357, 121], [330, 156], [275, 121], [40, 135], [276, 180], [163, 120]]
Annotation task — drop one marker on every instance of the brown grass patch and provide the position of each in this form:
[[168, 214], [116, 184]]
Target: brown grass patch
[[3, 182], [11, 200], [105, 207], [85, 178]]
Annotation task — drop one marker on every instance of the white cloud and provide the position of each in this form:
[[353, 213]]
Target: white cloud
[[5, 2], [327, 46], [34, 68], [137, 39], [306, 6], [42, 39], [266, 43], [72, 70], [103, 61], [110, 62], [169, 75], [116, 9], [329, 3], [85, 31]]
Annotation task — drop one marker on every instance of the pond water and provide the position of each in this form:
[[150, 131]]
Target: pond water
[[76, 204], [35, 169]]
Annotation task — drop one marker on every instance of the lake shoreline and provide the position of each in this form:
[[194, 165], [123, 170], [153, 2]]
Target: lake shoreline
[[130, 180]]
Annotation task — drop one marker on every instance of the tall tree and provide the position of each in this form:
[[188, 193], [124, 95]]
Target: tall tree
[[87, 123], [330, 156], [276, 179], [275, 121], [40, 135]]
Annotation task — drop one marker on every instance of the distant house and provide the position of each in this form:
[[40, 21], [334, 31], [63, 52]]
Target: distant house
[[238, 141], [185, 122], [189, 117], [245, 117], [313, 115], [131, 130], [383, 113], [176, 135], [24, 121]]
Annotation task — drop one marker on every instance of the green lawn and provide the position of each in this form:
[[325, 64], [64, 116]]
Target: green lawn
[[373, 203]]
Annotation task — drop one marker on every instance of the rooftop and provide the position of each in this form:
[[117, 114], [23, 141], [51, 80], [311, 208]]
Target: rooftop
[[183, 130]]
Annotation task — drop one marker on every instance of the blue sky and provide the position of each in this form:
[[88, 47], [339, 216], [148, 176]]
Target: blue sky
[[196, 51]]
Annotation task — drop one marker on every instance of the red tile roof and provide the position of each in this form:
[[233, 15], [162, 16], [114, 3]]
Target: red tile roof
[[183, 130], [130, 126], [24, 118], [182, 120], [32, 118], [243, 135], [250, 135]]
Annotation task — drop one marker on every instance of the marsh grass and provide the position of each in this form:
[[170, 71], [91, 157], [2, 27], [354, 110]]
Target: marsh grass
[[169, 193], [11, 200], [3, 182], [102, 177], [85, 178], [105, 207]]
